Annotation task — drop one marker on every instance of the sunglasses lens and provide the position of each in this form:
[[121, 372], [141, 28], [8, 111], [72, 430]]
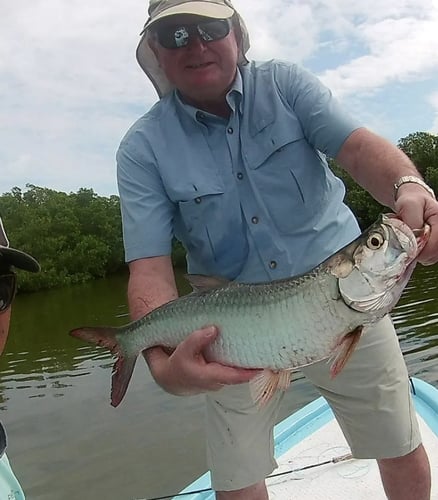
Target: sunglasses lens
[[177, 36], [214, 30], [7, 290], [173, 37]]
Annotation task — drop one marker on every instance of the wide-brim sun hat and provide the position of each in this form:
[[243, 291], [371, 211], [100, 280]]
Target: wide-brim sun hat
[[15, 257], [159, 9]]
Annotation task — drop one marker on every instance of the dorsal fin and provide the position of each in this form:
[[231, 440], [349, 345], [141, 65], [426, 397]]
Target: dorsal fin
[[201, 283]]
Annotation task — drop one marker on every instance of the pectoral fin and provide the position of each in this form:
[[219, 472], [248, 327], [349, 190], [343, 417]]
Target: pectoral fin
[[344, 350], [264, 385]]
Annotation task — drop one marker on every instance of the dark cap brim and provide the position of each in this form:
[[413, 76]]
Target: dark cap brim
[[19, 259]]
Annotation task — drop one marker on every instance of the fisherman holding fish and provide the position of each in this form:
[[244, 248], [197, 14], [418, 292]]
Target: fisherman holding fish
[[9, 258], [231, 161]]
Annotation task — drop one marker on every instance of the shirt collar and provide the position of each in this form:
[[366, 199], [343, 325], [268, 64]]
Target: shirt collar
[[235, 94]]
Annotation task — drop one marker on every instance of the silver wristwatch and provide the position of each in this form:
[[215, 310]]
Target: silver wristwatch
[[416, 180]]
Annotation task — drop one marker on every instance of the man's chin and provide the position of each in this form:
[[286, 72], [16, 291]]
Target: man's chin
[[206, 89]]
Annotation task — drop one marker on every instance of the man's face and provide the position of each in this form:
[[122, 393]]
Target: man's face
[[201, 71]]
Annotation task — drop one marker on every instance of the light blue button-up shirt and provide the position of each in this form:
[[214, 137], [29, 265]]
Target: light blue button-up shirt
[[250, 197]]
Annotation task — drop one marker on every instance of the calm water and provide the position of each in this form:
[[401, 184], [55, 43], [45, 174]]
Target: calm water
[[65, 440]]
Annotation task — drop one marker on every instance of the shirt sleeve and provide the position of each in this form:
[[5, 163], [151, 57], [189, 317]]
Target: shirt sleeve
[[147, 212], [326, 125]]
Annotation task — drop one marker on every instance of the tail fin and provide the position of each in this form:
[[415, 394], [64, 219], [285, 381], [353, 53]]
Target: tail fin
[[124, 365]]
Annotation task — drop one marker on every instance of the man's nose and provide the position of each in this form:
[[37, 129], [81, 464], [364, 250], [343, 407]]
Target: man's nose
[[196, 42]]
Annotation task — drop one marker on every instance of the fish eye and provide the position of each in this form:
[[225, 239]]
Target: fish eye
[[375, 241]]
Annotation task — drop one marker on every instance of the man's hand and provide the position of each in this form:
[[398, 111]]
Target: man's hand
[[415, 206], [185, 371]]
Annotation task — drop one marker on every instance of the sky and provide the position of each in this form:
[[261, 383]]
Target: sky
[[70, 86]]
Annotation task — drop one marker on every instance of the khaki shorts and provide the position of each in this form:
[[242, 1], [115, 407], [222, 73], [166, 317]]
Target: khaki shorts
[[370, 399]]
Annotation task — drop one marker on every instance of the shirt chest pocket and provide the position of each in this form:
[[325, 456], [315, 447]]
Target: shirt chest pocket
[[200, 205], [209, 224], [289, 176]]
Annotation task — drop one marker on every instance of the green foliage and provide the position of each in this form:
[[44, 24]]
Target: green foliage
[[78, 236], [178, 254], [75, 237], [422, 149], [362, 204]]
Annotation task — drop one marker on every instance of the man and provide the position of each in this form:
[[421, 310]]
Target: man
[[231, 161], [9, 258]]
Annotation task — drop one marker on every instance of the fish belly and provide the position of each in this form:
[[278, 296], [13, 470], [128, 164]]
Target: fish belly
[[287, 334]]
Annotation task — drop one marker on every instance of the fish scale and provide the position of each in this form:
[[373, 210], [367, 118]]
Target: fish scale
[[245, 316], [284, 324]]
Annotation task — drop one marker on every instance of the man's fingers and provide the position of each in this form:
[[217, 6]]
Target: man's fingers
[[429, 255], [411, 214], [188, 369], [197, 341], [191, 346]]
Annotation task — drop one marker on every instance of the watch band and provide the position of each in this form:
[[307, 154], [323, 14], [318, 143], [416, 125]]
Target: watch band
[[415, 180]]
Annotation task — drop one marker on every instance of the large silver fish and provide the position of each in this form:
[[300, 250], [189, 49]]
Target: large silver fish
[[281, 325]]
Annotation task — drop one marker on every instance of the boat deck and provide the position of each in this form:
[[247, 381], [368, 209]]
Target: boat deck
[[311, 452], [352, 479]]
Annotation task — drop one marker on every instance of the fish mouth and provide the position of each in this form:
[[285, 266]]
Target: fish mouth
[[415, 248], [422, 237]]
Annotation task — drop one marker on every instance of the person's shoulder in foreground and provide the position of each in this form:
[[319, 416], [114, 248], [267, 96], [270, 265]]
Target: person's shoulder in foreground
[[10, 258]]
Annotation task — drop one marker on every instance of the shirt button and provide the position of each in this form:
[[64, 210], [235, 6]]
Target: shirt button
[[240, 176], [255, 220], [272, 264], [230, 130], [198, 200]]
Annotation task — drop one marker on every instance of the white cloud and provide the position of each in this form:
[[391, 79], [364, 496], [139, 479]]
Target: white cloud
[[280, 29], [399, 50], [71, 87]]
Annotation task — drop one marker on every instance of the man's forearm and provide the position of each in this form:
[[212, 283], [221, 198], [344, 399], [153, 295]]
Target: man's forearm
[[375, 164], [151, 284]]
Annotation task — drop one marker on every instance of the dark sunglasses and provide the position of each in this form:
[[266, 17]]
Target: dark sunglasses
[[176, 36], [8, 287]]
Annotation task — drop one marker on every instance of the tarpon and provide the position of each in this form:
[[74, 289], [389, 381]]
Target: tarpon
[[282, 325]]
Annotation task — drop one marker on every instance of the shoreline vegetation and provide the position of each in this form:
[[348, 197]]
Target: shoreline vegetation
[[77, 237]]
